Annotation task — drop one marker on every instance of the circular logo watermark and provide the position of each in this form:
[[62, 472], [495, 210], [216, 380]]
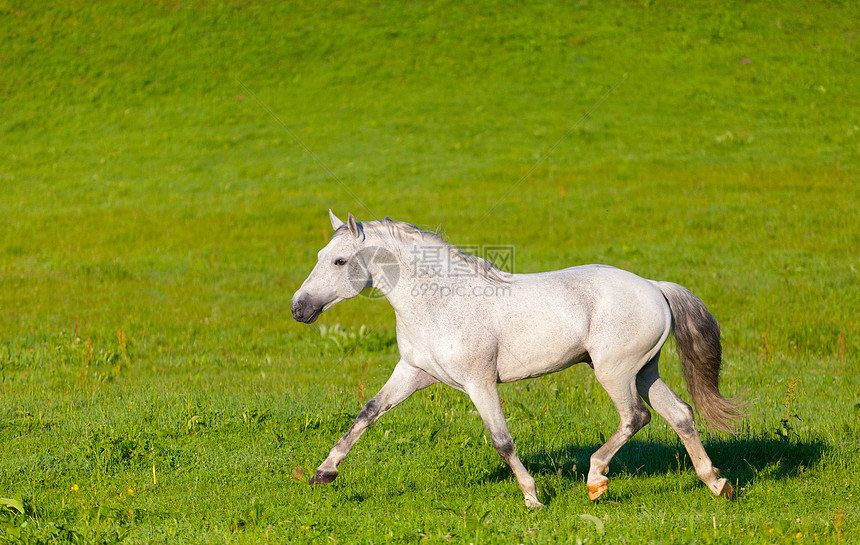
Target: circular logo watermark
[[384, 268]]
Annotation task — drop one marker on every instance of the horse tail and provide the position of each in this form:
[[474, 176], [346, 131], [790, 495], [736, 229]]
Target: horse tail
[[697, 336]]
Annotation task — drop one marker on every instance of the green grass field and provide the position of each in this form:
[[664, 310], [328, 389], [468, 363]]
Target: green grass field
[[165, 174]]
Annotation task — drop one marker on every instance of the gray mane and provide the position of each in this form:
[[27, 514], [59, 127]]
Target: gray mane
[[400, 231]]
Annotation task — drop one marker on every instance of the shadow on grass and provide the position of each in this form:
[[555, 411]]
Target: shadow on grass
[[742, 460]]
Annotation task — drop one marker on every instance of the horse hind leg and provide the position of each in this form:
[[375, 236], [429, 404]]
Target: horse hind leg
[[634, 416], [680, 417]]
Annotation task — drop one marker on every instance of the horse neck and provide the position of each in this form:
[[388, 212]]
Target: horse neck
[[425, 267]]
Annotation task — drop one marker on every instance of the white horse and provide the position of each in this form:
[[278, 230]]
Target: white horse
[[463, 322]]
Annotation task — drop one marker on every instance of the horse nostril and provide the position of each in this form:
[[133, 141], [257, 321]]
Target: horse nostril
[[297, 310]]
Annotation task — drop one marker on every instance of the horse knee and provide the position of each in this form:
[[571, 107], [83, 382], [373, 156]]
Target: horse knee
[[504, 446], [369, 412]]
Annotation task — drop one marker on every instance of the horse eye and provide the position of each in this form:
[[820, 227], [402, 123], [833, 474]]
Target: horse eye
[[340, 262]]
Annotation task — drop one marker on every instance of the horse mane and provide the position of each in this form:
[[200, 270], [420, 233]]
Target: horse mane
[[400, 231]]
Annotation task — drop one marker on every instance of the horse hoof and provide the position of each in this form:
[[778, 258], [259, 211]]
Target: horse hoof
[[724, 489], [597, 490], [323, 477], [532, 503]]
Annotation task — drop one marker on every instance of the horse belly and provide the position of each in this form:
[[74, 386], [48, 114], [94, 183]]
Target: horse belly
[[540, 355], [542, 326]]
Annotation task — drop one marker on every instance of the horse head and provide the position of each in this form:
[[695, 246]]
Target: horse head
[[341, 272]]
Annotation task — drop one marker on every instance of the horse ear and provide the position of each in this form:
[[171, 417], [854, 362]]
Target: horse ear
[[353, 226], [335, 221]]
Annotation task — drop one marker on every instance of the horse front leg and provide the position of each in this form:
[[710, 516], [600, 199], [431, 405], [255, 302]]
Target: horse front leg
[[486, 400], [403, 382]]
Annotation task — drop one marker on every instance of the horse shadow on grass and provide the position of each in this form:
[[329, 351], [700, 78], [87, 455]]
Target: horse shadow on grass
[[742, 460]]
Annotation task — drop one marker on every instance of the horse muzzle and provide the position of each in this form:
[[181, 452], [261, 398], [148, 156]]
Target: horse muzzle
[[305, 311]]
